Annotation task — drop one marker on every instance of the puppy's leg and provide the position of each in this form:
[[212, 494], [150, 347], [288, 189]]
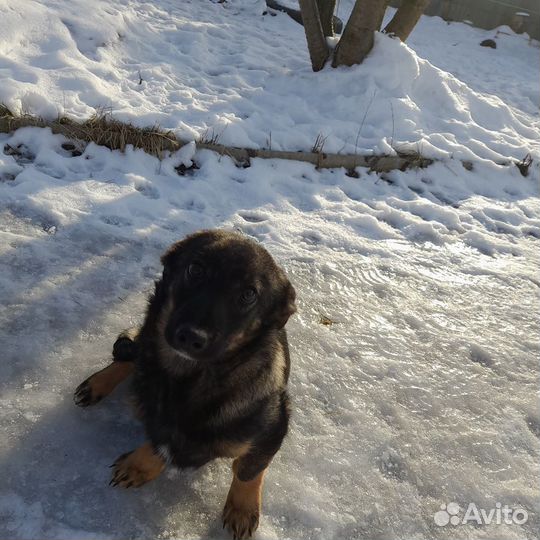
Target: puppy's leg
[[243, 506], [125, 348], [102, 383], [138, 467]]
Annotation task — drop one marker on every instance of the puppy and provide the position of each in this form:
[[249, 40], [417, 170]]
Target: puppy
[[211, 364]]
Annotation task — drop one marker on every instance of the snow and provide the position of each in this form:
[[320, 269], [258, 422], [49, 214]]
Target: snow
[[420, 389], [224, 69]]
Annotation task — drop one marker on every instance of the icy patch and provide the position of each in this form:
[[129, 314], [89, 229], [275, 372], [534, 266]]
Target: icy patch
[[23, 520]]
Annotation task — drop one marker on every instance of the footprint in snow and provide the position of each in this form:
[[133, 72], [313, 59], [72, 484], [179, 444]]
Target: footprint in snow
[[70, 150], [252, 218], [417, 190], [34, 219], [194, 205], [393, 466], [148, 190], [312, 238], [533, 423], [480, 356], [115, 221], [532, 231], [7, 177], [443, 198], [50, 170], [21, 153]]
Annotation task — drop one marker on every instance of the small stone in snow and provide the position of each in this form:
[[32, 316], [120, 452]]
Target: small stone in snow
[[488, 43]]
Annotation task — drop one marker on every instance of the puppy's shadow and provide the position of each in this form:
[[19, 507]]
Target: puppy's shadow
[[55, 479]]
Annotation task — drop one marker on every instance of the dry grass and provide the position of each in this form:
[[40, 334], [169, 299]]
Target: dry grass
[[101, 129], [319, 143], [104, 130], [209, 137], [4, 111]]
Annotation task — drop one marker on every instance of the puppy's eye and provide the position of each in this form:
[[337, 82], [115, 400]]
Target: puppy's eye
[[195, 271], [248, 296]]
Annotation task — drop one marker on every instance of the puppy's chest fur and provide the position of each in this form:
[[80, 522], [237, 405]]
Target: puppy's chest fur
[[197, 415]]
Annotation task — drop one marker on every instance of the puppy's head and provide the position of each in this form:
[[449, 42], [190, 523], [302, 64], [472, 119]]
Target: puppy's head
[[221, 290]]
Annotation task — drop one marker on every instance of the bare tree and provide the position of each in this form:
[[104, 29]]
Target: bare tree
[[358, 36], [405, 18], [317, 46], [326, 13]]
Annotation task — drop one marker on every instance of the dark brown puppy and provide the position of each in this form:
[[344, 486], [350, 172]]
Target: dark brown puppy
[[211, 364]]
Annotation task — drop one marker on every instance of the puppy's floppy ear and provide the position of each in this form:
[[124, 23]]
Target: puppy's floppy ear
[[170, 257], [177, 250], [286, 305]]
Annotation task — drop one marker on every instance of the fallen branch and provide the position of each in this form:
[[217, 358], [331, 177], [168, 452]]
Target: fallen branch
[[296, 15], [324, 160]]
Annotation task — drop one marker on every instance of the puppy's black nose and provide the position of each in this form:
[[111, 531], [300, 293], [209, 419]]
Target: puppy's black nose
[[192, 340]]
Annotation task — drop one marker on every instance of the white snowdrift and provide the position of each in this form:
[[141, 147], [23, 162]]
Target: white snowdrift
[[226, 70]]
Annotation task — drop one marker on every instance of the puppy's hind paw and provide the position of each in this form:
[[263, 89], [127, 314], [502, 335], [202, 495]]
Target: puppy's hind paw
[[124, 349]]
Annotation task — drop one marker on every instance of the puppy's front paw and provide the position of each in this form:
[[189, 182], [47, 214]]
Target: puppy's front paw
[[241, 521], [102, 383], [136, 468], [85, 395], [126, 473]]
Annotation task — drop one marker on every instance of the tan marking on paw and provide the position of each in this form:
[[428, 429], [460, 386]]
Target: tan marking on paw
[[243, 506], [136, 468], [102, 383]]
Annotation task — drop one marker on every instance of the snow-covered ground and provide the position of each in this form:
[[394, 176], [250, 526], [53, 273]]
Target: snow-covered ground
[[225, 70], [422, 391]]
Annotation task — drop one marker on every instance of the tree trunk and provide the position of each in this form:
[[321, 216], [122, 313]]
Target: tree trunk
[[358, 36], [326, 13], [446, 9], [317, 46], [405, 18]]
